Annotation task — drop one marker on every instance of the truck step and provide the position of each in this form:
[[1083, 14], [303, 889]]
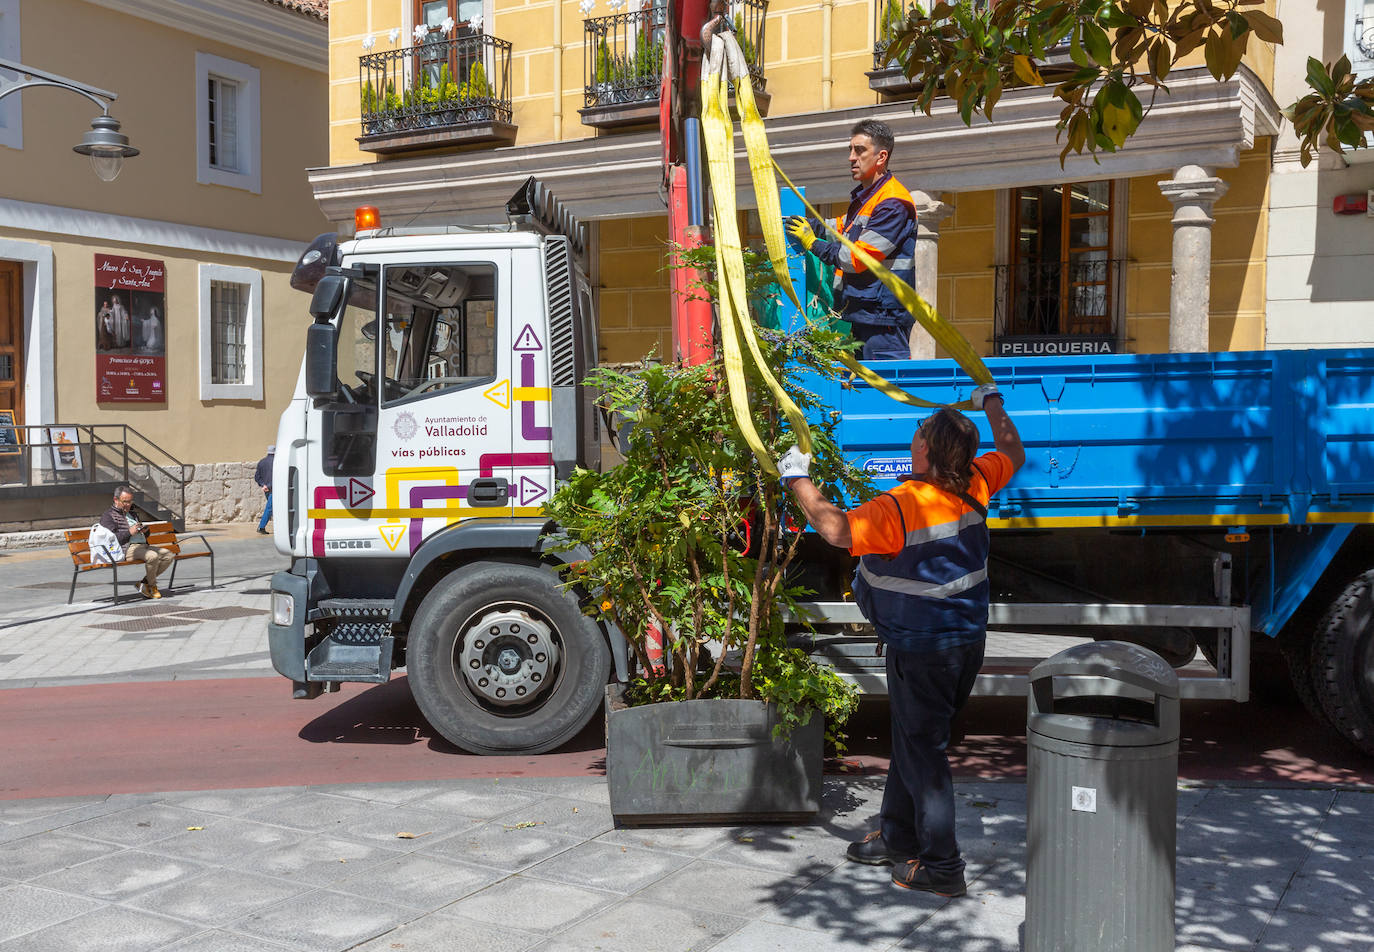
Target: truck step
[[333, 661], [353, 608]]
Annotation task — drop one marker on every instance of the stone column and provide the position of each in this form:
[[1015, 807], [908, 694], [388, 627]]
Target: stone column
[[1192, 191], [930, 212]]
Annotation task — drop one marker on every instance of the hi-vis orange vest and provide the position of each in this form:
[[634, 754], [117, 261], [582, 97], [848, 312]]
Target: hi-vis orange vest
[[862, 298]]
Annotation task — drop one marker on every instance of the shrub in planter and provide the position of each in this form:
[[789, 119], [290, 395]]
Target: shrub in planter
[[690, 544]]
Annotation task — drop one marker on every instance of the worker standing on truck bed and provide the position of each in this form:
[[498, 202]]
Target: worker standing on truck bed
[[923, 583], [881, 219]]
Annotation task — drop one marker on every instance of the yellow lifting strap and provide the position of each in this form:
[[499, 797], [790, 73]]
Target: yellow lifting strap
[[725, 59]]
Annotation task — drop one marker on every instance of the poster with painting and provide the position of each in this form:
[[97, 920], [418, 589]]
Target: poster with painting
[[9, 434], [130, 330], [66, 451]]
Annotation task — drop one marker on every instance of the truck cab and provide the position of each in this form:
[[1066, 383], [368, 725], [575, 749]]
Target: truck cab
[[440, 399]]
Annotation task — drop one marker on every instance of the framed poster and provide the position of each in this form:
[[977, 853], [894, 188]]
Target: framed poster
[[130, 330], [66, 451], [9, 434]]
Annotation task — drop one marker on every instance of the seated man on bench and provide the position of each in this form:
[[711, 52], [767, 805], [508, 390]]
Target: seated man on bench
[[126, 527]]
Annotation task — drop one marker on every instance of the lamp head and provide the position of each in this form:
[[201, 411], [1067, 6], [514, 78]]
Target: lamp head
[[106, 146]]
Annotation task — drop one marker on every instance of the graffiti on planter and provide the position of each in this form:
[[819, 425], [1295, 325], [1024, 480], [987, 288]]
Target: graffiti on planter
[[672, 774]]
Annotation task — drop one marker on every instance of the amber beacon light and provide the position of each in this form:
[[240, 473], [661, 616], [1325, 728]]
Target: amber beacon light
[[366, 218]]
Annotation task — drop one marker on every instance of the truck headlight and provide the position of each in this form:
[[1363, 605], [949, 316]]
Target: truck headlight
[[283, 609]]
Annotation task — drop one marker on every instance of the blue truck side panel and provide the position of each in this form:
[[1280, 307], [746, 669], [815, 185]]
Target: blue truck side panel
[[1216, 440]]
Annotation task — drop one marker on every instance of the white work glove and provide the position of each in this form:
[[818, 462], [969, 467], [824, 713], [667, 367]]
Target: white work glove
[[794, 464], [983, 392]]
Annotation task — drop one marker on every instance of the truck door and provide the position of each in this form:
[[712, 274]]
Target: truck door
[[443, 387]]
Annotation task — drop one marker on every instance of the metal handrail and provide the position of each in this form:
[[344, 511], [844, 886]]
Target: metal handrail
[[115, 458], [447, 82]]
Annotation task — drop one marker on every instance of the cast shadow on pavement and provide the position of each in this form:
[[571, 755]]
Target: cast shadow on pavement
[[387, 714]]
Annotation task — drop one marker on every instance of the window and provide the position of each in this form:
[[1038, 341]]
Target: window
[[440, 329], [1062, 273], [11, 116], [432, 13], [228, 150], [230, 333], [222, 111]]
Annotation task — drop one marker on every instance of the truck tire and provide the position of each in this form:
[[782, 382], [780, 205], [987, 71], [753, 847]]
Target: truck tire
[[501, 659], [1297, 656], [1343, 659]]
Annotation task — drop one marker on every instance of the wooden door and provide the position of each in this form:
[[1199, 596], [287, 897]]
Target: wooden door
[[12, 338]]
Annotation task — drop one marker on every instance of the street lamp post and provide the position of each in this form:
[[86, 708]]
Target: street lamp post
[[106, 146]]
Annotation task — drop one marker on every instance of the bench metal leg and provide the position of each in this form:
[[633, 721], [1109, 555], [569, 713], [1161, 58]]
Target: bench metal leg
[[71, 593], [172, 579]]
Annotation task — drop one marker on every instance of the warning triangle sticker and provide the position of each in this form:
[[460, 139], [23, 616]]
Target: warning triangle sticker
[[359, 492], [530, 491], [527, 339], [392, 535], [499, 394]]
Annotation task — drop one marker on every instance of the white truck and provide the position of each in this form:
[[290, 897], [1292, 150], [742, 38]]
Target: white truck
[[439, 401]]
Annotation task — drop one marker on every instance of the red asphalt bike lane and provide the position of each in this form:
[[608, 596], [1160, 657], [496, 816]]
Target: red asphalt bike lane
[[146, 737]]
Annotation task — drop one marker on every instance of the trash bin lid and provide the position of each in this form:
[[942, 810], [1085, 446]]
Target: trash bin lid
[[1107, 717], [1114, 660]]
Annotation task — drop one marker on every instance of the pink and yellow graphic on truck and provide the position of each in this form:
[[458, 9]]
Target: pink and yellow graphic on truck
[[405, 509]]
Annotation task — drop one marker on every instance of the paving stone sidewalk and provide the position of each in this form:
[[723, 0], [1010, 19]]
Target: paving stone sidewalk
[[195, 632], [514, 864]]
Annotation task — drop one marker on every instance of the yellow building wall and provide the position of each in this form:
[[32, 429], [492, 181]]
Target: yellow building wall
[[155, 77], [965, 290], [634, 302], [1239, 263], [548, 62]]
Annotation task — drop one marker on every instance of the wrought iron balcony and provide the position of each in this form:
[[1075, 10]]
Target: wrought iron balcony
[[1364, 36], [1048, 299], [446, 92], [623, 64]]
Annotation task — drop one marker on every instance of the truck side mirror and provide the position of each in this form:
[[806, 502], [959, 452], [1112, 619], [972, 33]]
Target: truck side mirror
[[328, 293], [321, 344]]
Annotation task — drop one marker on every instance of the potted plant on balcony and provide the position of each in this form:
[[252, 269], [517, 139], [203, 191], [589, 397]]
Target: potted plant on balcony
[[690, 551]]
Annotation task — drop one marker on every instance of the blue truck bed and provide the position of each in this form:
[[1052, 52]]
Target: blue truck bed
[[1218, 439]]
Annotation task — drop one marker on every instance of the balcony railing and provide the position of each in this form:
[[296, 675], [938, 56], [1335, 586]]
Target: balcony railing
[[1050, 299], [439, 93], [623, 64], [1364, 36]]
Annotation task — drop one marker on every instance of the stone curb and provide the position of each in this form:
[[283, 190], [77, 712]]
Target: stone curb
[[31, 540]]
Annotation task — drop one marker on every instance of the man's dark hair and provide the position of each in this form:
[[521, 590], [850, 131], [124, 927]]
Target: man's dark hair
[[879, 132], [951, 444]]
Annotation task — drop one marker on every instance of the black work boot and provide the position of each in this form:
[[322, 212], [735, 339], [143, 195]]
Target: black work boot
[[912, 875], [873, 850]]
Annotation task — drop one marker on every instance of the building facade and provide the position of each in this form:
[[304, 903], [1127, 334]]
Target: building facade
[[150, 318], [1321, 259], [1162, 245]]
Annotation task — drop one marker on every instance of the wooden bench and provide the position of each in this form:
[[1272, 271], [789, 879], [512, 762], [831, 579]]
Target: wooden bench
[[160, 535]]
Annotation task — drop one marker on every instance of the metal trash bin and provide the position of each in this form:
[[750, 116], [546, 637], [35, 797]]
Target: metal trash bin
[[1101, 801]]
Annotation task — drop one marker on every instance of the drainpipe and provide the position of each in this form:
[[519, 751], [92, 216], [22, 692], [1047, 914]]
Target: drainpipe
[[827, 80], [557, 72]]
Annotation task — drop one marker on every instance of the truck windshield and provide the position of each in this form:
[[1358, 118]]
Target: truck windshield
[[441, 329]]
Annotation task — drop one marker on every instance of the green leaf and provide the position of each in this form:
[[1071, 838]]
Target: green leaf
[[1098, 46], [1158, 59], [1318, 79], [1215, 53], [1076, 51]]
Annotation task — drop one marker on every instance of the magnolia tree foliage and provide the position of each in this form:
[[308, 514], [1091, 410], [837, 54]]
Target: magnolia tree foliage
[[1121, 53]]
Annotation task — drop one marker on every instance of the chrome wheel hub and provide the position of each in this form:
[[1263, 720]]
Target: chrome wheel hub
[[508, 657]]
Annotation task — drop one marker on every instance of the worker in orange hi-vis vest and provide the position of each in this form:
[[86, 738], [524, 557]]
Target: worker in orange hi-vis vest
[[923, 583], [881, 219]]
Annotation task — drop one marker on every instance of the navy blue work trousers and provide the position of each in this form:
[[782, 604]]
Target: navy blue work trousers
[[885, 341], [925, 691]]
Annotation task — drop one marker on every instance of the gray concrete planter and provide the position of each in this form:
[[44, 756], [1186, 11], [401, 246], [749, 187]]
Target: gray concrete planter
[[709, 761]]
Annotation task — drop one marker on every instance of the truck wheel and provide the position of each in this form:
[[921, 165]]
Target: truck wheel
[[501, 660], [1297, 655], [1343, 656]]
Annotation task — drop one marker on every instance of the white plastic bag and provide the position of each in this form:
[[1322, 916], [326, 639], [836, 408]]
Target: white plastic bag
[[105, 547]]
